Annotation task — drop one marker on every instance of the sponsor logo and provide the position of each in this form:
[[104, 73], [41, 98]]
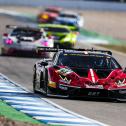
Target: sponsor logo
[[64, 71], [65, 80], [121, 82], [95, 86], [122, 91], [61, 86]]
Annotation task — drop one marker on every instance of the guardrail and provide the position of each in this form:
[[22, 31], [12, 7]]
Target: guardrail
[[108, 0]]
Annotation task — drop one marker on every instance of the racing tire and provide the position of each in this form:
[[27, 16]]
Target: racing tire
[[34, 82], [6, 52], [72, 45], [44, 82], [3, 52]]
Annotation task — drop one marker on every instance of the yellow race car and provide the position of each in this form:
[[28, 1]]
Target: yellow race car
[[63, 36]]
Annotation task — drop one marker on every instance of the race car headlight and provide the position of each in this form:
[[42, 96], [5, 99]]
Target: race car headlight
[[52, 84]]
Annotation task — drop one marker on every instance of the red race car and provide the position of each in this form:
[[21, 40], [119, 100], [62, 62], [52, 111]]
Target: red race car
[[80, 73], [48, 15]]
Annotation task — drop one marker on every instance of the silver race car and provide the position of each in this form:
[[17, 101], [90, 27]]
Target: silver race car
[[24, 39], [70, 18]]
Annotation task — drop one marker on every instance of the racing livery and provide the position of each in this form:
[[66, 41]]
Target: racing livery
[[63, 36], [48, 15], [80, 73], [23, 38]]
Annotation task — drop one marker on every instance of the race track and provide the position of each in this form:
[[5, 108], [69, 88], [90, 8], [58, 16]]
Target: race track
[[19, 69]]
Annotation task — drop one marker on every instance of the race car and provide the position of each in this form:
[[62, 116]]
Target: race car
[[48, 15], [63, 36], [24, 39], [71, 19], [80, 73]]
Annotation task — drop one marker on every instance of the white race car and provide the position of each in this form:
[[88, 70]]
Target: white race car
[[70, 16], [24, 39]]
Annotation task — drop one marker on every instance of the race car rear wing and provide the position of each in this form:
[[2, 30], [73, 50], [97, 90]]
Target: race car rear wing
[[22, 26], [49, 49], [11, 26]]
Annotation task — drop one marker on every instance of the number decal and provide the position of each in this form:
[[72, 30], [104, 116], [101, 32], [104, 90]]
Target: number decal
[[93, 93]]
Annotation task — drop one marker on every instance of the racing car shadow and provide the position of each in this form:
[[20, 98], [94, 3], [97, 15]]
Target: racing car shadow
[[21, 56], [98, 100], [85, 99], [26, 55]]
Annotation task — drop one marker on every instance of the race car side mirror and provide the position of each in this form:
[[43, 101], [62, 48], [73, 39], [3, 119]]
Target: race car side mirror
[[124, 70], [56, 67], [5, 34], [44, 63]]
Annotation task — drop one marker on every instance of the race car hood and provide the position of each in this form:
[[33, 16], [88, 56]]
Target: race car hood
[[50, 14], [115, 79]]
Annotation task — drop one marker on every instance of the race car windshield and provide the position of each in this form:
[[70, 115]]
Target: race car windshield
[[86, 61], [66, 23], [67, 16], [60, 30], [51, 10], [26, 33]]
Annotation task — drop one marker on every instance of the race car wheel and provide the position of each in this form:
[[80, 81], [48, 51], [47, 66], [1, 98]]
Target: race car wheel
[[6, 52], [44, 81], [3, 52], [34, 81], [71, 46]]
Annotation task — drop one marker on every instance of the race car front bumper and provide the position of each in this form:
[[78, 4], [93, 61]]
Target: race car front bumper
[[118, 94], [77, 92]]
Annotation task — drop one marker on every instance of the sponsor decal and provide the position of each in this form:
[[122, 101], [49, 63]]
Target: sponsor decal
[[76, 53], [121, 83], [122, 91], [61, 86], [65, 80], [95, 86], [64, 71]]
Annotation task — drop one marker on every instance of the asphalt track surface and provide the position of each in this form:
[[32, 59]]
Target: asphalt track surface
[[19, 69]]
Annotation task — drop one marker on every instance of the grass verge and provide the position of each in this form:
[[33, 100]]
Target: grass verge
[[110, 39], [11, 113]]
